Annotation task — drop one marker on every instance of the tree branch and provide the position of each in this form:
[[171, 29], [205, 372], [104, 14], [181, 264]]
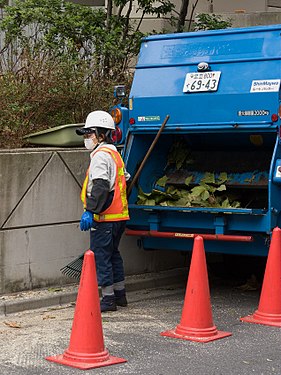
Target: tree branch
[[182, 15], [191, 14]]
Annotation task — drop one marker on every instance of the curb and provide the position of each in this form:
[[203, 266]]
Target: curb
[[15, 306], [133, 283]]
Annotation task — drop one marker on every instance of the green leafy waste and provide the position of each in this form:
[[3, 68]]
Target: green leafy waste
[[179, 155], [210, 192]]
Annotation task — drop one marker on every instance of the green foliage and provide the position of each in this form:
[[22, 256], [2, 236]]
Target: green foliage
[[206, 21], [55, 27], [60, 60], [153, 7], [105, 40], [179, 155], [46, 93], [211, 190], [162, 181], [208, 193]]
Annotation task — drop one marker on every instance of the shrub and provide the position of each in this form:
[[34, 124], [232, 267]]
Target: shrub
[[206, 21], [58, 63]]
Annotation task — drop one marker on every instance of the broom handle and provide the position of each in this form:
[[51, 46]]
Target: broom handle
[[147, 155]]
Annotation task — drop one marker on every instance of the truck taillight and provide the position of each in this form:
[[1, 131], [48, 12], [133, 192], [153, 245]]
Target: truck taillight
[[116, 115], [116, 135], [132, 121], [274, 117]]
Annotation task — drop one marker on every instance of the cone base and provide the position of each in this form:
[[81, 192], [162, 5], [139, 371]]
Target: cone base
[[85, 365], [218, 335], [263, 320]]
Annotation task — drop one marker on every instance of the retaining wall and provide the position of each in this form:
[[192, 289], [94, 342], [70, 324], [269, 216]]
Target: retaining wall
[[39, 220]]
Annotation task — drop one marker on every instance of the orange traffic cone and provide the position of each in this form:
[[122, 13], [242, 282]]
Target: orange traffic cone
[[269, 309], [196, 322], [86, 348]]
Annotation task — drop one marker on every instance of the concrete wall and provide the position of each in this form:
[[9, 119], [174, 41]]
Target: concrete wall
[[242, 14], [237, 20], [39, 220], [218, 6], [254, 19], [223, 6]]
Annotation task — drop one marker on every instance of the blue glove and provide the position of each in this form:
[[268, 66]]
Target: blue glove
[[86, 221]]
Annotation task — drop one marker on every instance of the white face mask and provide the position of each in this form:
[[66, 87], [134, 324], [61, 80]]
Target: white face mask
[[89, 144]]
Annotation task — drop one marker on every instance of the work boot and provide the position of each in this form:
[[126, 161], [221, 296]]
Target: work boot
[[108, 303], [120, 298]]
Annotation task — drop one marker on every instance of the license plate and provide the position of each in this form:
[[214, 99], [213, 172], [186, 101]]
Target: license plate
[[199, 82]]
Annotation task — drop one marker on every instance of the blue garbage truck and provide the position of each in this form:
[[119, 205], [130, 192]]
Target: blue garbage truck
[[215, 170]]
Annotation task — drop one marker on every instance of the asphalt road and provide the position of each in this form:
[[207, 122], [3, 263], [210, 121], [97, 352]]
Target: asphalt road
[[133, 333]]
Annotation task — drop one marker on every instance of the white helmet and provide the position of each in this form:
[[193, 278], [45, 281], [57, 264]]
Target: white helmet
[[97, 119]]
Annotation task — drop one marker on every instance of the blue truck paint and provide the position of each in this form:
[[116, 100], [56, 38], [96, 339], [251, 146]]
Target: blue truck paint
[[229, 130]]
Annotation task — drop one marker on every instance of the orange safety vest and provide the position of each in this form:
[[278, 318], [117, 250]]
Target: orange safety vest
[[118, 210]]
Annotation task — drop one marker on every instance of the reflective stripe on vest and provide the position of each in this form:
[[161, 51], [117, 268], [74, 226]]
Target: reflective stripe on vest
[[118, 210], [83, 194]]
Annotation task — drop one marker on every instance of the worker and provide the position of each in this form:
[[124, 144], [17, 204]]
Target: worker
[[105, 207]]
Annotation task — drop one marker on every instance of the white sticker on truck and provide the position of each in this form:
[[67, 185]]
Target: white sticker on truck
[[148, 118], [265, 85], [278, 172], [254, 112]]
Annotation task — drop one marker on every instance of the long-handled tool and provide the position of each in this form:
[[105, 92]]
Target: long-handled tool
[[74, 268]]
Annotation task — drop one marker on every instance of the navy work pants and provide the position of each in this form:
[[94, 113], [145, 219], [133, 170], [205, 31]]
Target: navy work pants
[[104, 242]]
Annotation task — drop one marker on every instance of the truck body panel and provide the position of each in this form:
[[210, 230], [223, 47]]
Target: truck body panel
[[221, 90]]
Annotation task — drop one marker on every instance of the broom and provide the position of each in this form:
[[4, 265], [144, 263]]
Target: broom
[[74, 268]]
